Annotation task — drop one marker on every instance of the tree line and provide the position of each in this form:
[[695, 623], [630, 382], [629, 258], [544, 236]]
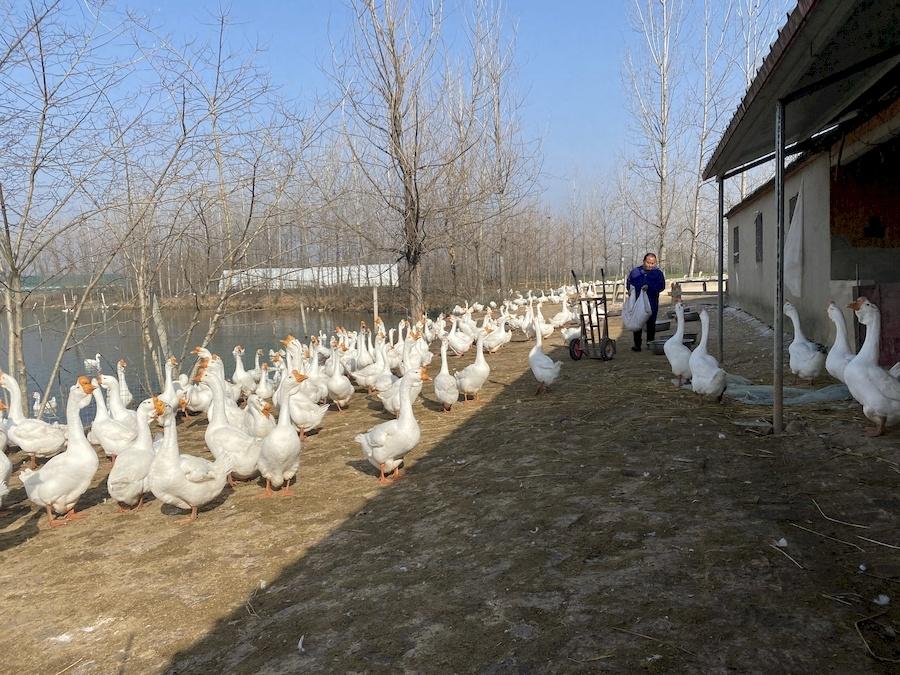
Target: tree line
[[175, 164]]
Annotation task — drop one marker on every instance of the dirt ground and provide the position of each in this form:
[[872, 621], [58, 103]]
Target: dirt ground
[[616, 524]]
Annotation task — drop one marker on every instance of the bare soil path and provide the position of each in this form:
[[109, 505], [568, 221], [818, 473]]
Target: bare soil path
[[615, 524]]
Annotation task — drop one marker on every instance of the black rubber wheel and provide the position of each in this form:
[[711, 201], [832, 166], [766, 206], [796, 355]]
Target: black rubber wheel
[[607, 349], [576, 349]]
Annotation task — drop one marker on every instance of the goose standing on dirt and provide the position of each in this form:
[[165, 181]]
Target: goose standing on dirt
[[876, 389], [113, 436], [445, 387], [185, 481], [129, 479], [807, 358], [386, 444], [544, 369], [279, 457], [679, 356], [59, 484], [840, 353], [35, 438], [707, 379], [471, 379]]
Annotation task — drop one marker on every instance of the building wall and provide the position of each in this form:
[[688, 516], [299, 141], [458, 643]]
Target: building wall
[[751, 284]]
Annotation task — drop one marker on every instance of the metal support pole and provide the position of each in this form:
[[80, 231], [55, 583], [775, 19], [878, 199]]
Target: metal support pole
[[778, 365], [721, 182]]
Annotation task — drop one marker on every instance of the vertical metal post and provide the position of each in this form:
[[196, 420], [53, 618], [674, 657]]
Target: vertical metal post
[[778, 365], [721, 182]]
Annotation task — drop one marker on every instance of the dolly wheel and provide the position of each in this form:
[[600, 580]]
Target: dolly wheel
[[576, 349], [607, 349]]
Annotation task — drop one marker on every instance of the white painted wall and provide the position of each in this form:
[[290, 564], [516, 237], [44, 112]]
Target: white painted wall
[[752, 285]]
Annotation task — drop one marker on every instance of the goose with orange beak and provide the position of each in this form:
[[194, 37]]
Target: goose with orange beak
[[58, 485], [875, 388], [305, 414], [386, 444], [184, 481], [35, 438], [129, 479]]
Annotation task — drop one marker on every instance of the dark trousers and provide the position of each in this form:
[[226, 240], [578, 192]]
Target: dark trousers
[[650, 327]]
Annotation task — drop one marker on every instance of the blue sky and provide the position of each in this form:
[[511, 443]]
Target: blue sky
[[569, 57]]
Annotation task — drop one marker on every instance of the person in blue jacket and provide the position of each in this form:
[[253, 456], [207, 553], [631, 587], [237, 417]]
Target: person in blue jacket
[[649, 279]]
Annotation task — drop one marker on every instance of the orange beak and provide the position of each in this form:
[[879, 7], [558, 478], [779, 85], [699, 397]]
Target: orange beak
[[298, 375], [424, 375], [159, 407], [857, 303], [85, 383], [195, 350], [267, 410], [182, 403], [123, 362], [199, 376]]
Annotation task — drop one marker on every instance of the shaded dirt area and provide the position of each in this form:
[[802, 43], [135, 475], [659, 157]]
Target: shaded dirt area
[[616, 524]]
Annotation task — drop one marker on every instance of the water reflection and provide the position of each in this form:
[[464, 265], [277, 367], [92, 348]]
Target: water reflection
[[116, 334]]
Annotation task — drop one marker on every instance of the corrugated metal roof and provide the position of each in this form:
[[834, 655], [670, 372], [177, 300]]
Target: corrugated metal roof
[[819, 38]]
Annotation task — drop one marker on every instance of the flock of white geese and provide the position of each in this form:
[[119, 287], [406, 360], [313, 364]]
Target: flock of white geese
[[875, 388], [283, 398], [291, 393]]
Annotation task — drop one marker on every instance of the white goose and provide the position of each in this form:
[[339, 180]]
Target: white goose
[[471, 379], [264, 388], [49, 408], [807, 358], [445, 387], [129, 479], [183, 480], [305, 414], [117, 409], [545, 369], [5, 464], [707, 379], [113, 436], [95, 363], [240, 376], [391, 397], [340, 388], [840, 353], [124, 392], [35, 437], [279, 457], [385, 444], [59, 484], [225, 439], [876, 389], [679, 356]]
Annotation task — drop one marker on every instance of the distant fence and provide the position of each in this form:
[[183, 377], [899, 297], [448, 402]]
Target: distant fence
[[323, 276]]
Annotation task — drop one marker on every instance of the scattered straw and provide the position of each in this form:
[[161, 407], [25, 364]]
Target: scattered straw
[[880, 543], [835, 520], [649, 637], [787, 556], [70, 666], [866, 642], [825, 536]]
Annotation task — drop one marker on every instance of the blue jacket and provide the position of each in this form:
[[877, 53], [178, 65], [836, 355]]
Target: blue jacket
[[654, 280]]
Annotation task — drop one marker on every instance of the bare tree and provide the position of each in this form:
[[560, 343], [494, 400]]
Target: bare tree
[[652, 78], [709, 105], [53, 91]]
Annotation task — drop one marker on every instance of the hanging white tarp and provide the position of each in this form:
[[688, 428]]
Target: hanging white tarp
[[793, 250]]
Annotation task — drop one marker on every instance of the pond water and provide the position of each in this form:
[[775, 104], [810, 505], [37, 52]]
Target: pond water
[[115, 334]]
